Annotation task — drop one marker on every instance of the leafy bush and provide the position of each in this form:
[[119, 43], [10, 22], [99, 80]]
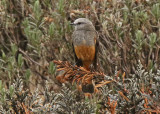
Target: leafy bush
[[34, 33]]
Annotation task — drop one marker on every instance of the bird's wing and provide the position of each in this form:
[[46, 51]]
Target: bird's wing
[[95, 62], [77, 61]]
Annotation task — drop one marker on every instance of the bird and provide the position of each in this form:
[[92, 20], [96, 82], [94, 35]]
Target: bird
[[85, 43], [85, 46]]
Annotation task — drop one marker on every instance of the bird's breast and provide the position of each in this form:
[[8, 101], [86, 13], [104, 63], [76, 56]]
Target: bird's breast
[[82, 37], [85, 53]]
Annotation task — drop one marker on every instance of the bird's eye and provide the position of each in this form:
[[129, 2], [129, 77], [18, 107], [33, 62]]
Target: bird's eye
[[79, 23]]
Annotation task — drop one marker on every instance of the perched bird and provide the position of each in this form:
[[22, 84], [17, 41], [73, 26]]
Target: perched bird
[[85, 43], [85, 47]]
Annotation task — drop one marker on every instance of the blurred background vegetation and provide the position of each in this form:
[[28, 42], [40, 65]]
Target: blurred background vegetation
[[33, 33]]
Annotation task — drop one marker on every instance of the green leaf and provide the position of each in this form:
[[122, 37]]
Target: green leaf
[[1, 85], [20, 60], [152, 39], [37, 10], [9, 75], [156, 10], [27, 74], [61, 5], [139, 39], [3, 55], [51, 29], [3, 94], [14, 49], [11, 90], [52, 68]]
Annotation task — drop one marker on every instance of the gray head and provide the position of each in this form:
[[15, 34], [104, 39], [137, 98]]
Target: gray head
[[83, 24]]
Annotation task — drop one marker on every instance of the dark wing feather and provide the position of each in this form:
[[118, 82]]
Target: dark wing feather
[[77, 61], [95, 62]]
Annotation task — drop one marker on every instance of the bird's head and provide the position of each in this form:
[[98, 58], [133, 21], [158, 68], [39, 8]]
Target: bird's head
[[83, 24]]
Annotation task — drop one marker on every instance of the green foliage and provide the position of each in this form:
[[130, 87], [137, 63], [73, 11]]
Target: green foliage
[[27, 74], [34, 33], [13, 49], [51, 68], [61, 6], [20, 60], [69, 100], [11, 90], [156, 10], [3, 55], [37, 10], [152, 40], [51, 30], [139, 40]]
